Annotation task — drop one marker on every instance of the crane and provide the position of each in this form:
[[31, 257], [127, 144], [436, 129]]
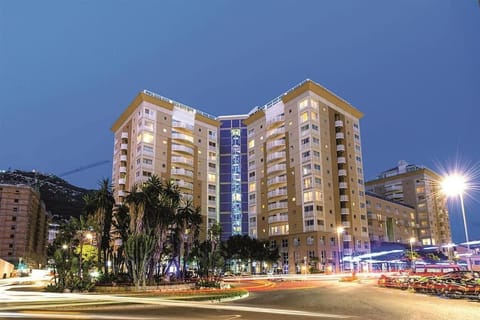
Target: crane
[[88, 166]]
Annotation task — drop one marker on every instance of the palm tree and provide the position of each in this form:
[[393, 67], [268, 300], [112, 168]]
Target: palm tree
[[100, 204]]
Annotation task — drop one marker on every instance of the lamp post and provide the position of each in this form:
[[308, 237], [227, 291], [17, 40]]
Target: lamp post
[[453, 185], [339, 232], [412, 240]]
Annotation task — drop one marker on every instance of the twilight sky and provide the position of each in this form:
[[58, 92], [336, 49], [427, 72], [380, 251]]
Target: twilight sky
[[68, 69]]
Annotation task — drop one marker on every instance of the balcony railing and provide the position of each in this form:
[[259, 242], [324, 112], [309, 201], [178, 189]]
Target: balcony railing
[[275, 120], [342, 172], [347, 237], [182, 172], [182, 160], [344, 211], [123, 157], [121, 181], [278, 205], [344, 198], [124, 135], [339, 135], [278, 218], [122, 169], [346, 224], [339, 123], [182, 136], [277, 167], [124, 146], [343, 185], [275, 132], [340, 147], [341, 160], [276, 143], [183, 125], [276, 155], [277, 193], [179, 148], [277, 180]]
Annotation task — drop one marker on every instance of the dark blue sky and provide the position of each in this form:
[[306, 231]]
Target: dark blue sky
[[69, 68]]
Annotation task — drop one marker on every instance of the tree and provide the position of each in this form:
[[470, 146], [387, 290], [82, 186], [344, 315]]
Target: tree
[[99, 205], [138, 249]]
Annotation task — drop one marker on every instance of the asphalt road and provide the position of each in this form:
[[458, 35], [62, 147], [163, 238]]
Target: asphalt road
[[303, 300]]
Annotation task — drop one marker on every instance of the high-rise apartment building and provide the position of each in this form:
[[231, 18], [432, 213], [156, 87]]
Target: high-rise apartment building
[[290, 171], [233, 176], [417, 187], [305, 177], [23, 226], [156, 135]]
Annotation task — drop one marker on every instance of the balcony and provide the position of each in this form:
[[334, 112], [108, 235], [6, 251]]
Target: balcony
[[347, 237], [339, 123], [344, 198], [339, 135], [277, 193], [124, 135], [185, 185], [183, 149], [278, 205], [277, 180], [122, 169], [278, 218], [122, 193], [276, 156], [182, 136], [275, 144], [182, 125], [124, 146], [275, 121], [340, 147], [121, 181], [182, 172], [212, 203], [341, 160], [182, 160], [123, 157], [342, 173], [275, 132], [343, 185], [346, 224], [277, 167], [344, 211]]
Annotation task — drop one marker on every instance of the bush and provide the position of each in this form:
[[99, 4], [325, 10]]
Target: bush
[[206, 283]]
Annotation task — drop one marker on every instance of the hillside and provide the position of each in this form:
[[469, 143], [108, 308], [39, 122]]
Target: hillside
[[61, 198]]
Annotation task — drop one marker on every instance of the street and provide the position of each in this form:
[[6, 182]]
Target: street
[[280, 301]]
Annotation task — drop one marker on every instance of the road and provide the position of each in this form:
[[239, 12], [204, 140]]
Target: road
[[279, 301]]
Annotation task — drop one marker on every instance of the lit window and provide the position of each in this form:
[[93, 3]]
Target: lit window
[[308, 196], [251, 143], [307, 183], [211, 177], [147, 138], [252, 187], [304, 116], [303, 103]]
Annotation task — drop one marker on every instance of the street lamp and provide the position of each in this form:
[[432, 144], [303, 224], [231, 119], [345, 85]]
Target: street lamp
[[412, 240], [339, 233], [453, 185]]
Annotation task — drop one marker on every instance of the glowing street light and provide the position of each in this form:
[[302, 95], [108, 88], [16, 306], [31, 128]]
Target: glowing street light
[[339, 233], [453, 185]]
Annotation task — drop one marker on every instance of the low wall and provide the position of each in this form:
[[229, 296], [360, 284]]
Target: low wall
[[160, 288]]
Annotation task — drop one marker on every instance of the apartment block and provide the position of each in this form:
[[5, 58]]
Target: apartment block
[[418, 187], [390, 221], [290, 171], [23, 225], [157, 135], [305, 177]]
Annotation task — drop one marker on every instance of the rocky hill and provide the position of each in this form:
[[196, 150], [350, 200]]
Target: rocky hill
[[62, 199]]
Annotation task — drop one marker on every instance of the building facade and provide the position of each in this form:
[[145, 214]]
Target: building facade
[[305, 178], [418, 187], [156, 135], [233, 182], [23, 226], [390, 221], [290, 171]]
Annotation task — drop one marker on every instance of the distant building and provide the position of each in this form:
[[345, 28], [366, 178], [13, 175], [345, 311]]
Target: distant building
[[390, 221], [418, 187], [23, 225]]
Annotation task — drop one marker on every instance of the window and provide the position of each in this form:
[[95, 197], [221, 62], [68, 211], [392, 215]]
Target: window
[[304, 116], [309, 222], [305, 141], [304, 128], [147, 161], [308, 196], [307, 169], [251, 143], [310, 240], [212, 144], [284, 243], [303, 103], [252, 187], [15, 200], [296, 242]]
